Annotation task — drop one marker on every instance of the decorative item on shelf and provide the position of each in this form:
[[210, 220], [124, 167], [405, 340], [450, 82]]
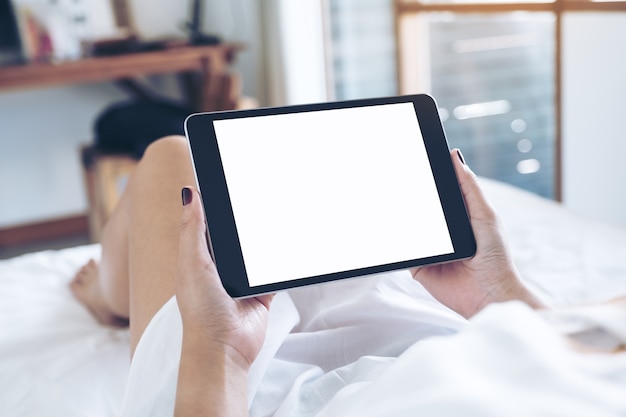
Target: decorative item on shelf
[[10, 47], [123, 18], [135, 41], [196, 36], [34, 36], [61, 30]]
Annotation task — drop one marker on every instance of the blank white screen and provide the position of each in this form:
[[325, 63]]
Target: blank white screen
[[327, 191]]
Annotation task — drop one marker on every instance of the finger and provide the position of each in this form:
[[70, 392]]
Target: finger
[[266, 299], [477, 204], [193, 250], [415, 271]]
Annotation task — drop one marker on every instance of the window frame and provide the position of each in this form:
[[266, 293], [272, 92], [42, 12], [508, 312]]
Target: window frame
[[413, 8]]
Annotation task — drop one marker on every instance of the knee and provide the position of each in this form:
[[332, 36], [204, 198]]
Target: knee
[[168, 156], [160, 174], [167, 147]]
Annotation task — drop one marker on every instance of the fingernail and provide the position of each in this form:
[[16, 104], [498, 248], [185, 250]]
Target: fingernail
[[187, 195], [460, 155]]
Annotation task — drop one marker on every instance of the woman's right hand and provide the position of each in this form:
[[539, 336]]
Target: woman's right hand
[[469, 285], [221, 336], [208, 313]]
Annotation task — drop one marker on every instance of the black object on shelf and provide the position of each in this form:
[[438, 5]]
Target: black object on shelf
[[10, 45], [196, 36]]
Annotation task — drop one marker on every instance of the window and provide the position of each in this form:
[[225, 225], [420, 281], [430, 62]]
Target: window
[[362, 48], [492, 75], [494, 68]]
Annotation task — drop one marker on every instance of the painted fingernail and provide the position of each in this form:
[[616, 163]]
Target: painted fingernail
[[460, 155], [187, 195]]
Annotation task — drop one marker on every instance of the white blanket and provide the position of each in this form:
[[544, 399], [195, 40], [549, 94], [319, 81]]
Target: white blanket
[[314, 332], [507, 362], [340, 360], [343, 345]]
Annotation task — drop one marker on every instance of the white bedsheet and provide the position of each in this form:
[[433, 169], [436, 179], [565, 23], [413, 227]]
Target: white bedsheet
[[567, 258], [339, 338], [55, 360]]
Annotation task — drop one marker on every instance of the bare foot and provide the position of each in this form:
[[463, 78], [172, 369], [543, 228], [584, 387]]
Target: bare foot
[[86, 289]]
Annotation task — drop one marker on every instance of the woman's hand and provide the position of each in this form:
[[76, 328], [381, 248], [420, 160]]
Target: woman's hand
[[221, 336], [490, 276]]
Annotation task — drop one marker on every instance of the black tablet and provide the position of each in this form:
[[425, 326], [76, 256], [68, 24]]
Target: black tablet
[[307, 194]]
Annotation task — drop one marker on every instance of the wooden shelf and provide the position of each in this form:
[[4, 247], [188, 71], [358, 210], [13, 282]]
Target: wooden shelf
[[211, 62]]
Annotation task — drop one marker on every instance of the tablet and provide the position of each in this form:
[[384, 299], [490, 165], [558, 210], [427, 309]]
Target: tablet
[[307, 194]]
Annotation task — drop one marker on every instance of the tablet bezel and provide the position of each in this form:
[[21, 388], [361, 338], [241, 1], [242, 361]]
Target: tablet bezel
[[222, 234]]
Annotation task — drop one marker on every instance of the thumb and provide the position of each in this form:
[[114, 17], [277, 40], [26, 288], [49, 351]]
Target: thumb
[[193, 250], [477, 205]]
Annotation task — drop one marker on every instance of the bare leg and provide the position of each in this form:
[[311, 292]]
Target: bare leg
[[140, 241], [86, 287]]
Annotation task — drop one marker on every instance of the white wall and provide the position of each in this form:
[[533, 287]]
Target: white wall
[[594, 97], [40, 137], [42, 130]]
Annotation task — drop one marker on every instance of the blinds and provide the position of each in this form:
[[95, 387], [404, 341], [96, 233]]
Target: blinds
[[491, 74]]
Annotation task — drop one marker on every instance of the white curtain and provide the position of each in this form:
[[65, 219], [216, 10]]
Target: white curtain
[[293, 45]]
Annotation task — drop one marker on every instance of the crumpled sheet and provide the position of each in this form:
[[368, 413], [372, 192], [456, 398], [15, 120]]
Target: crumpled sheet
[[508, 360], [339, 344], [314, 332]]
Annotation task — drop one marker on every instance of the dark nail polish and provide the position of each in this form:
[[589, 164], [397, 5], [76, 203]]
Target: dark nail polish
[[460, 155], [187, 195]]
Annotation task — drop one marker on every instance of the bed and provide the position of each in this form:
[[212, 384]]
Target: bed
[[344, 348]]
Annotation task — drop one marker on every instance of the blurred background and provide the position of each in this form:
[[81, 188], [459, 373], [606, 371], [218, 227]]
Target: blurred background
[[532, 92]]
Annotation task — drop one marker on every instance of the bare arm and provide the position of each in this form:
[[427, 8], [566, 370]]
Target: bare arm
[[210, 382]]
